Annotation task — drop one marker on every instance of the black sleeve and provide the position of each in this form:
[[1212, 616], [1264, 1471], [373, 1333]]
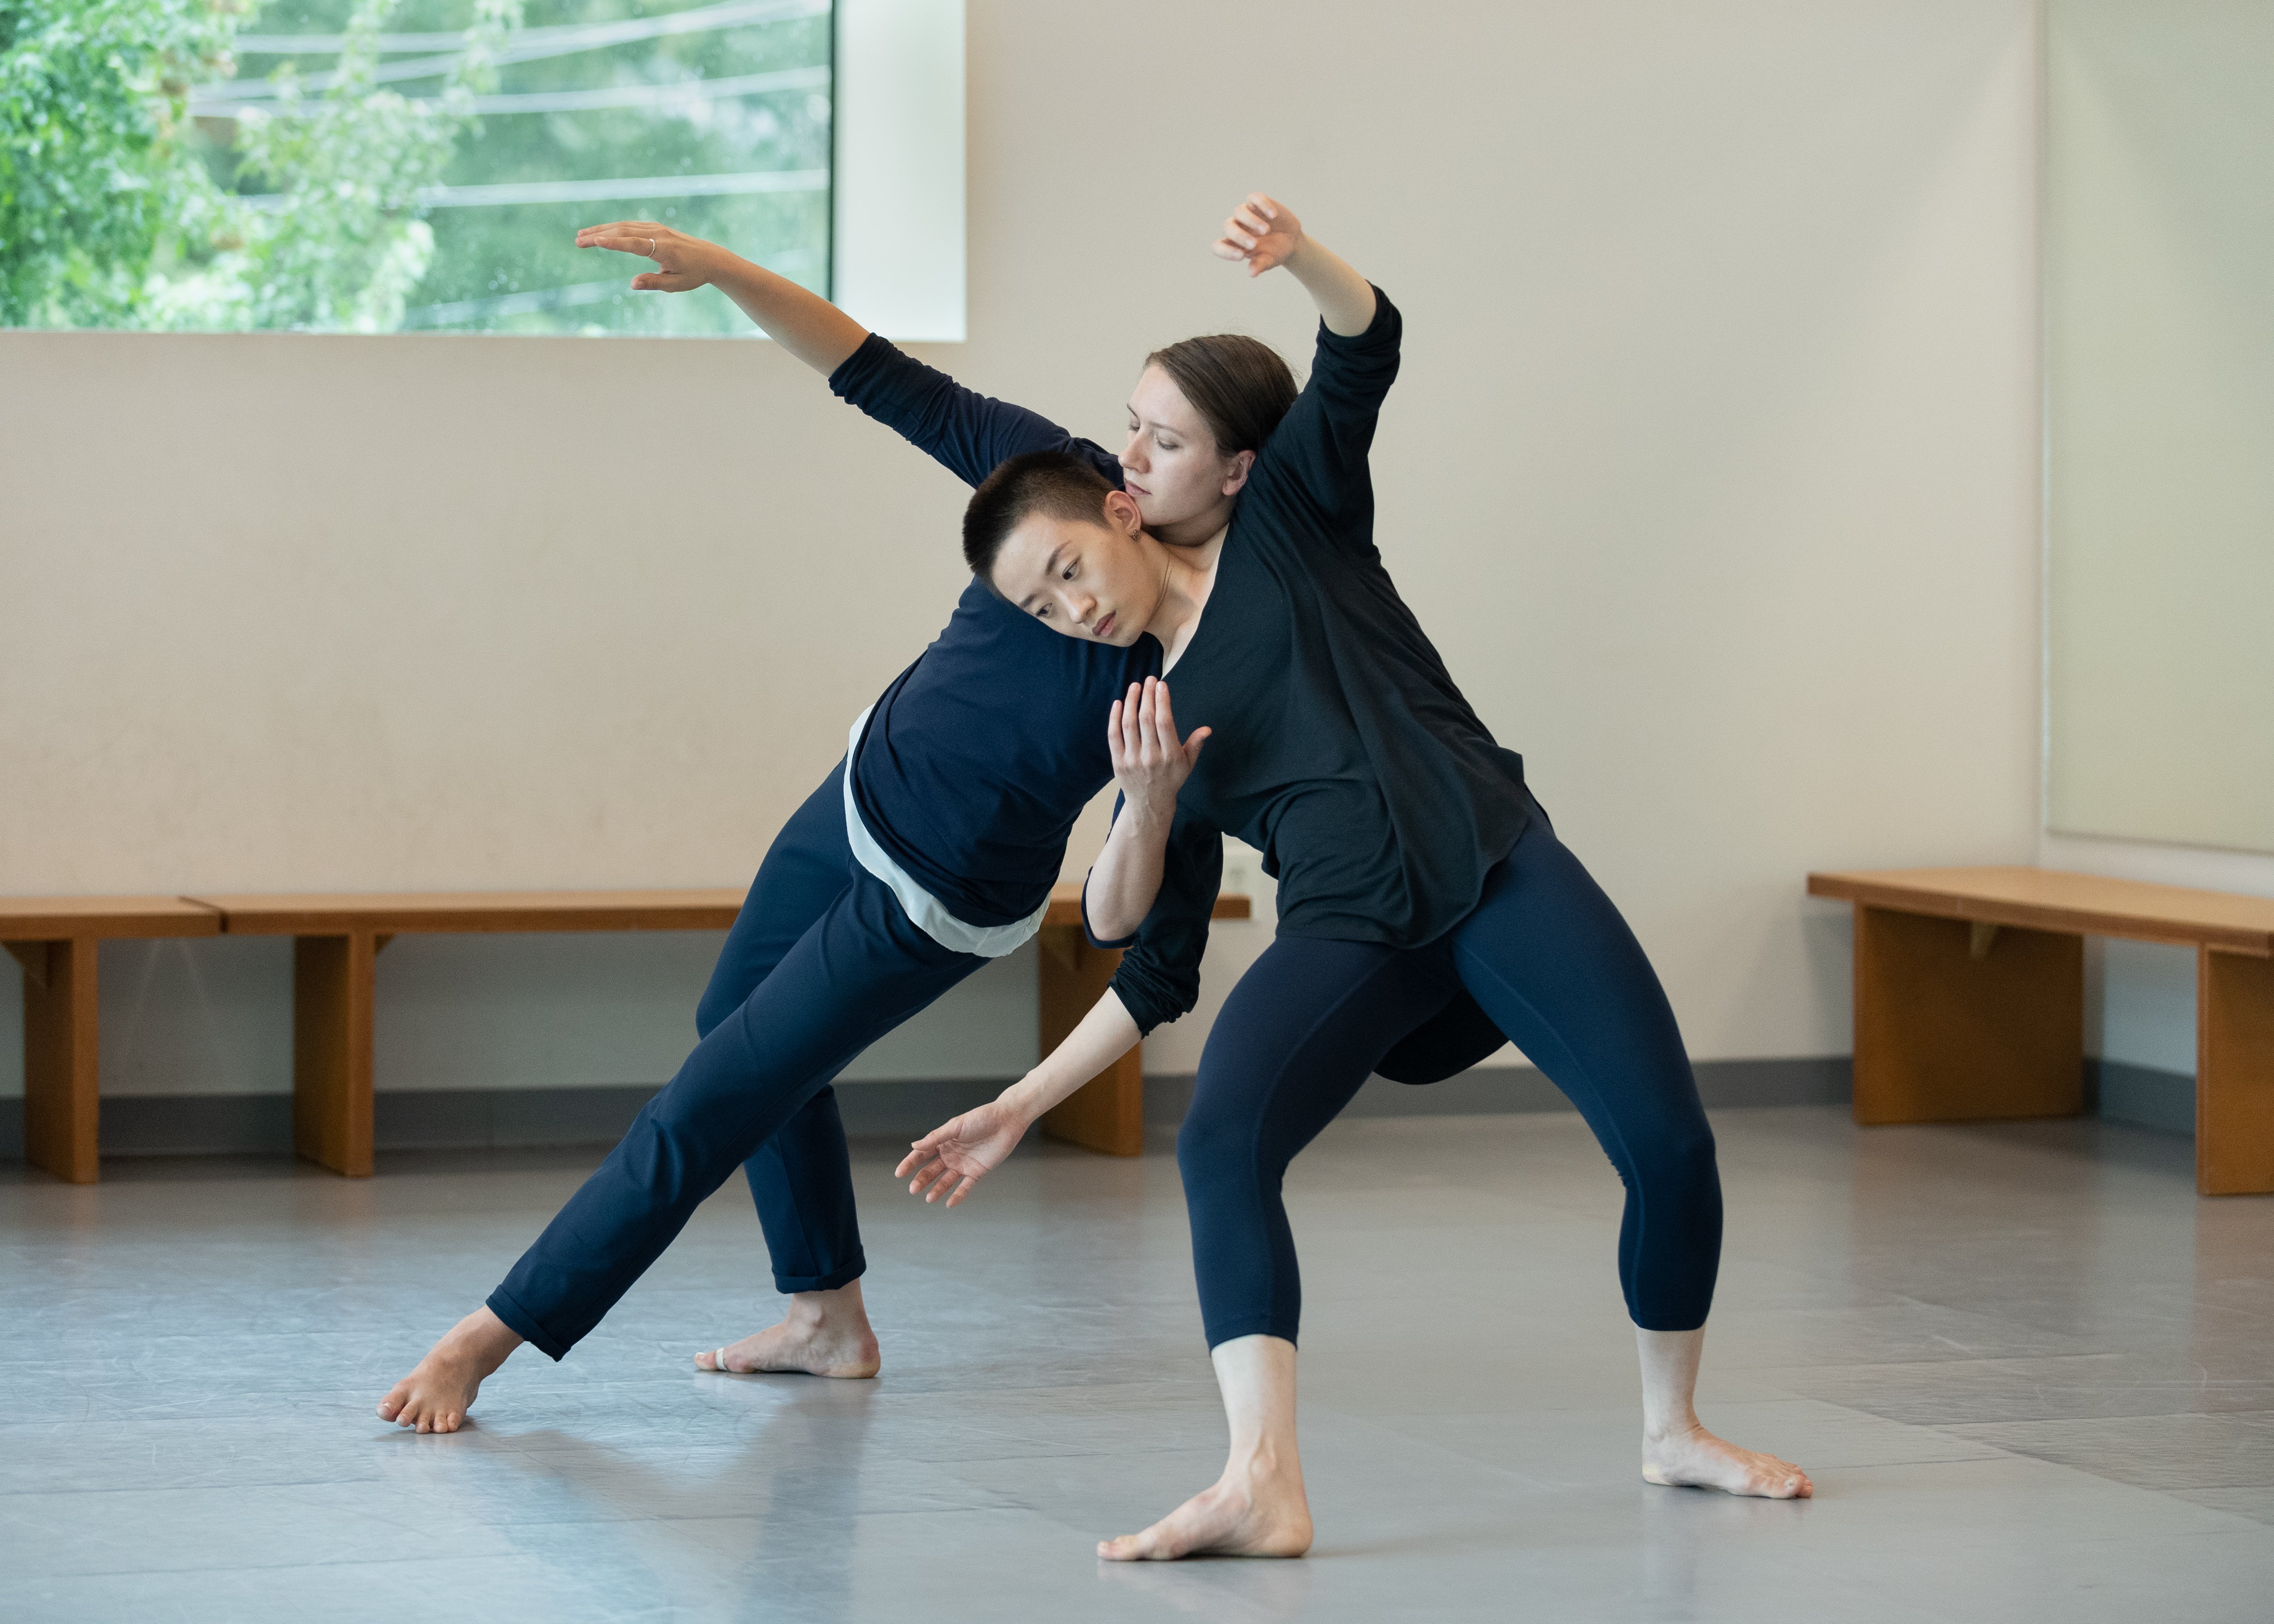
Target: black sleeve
[[969, 433], [1312, 470], [1159, 977]]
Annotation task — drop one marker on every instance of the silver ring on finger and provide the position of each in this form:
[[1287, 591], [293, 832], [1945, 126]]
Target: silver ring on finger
[[651, 248]]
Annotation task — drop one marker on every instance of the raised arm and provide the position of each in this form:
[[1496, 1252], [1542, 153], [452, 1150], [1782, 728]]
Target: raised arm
[[968, 432], [803, 323], [1265, 234], [1314, 467]]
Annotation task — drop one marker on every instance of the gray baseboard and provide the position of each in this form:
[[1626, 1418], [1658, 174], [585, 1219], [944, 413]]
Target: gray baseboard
[[535, 1118], [2140, 1096], [235, 1125], [1724, 1084], [528, 1119]]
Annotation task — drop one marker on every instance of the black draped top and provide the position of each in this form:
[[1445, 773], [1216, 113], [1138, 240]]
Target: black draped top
[[1342, 750]]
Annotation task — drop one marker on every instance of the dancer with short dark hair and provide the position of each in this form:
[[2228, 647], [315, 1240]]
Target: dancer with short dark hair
[[928, 850], [1414, 867], [931, 849]]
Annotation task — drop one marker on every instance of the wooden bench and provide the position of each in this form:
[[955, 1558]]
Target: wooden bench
[[1106, 1114], [1969, 1000], [53, 939], [337, 941]]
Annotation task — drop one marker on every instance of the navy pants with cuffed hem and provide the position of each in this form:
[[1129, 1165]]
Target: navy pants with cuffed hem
[[801, 1178], [755, 1091], [1548, 955]]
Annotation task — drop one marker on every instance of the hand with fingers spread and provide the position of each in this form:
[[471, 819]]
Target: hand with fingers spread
[[968, 1147], [1262, 231], [682, 263], [1150, 764], [802, 322]]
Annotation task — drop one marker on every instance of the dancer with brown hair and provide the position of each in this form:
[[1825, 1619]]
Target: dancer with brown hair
[[1414, 867]]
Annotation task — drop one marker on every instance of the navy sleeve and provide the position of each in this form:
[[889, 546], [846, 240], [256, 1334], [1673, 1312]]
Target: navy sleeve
[[1159, 976], [969, 433], [1312, 470]]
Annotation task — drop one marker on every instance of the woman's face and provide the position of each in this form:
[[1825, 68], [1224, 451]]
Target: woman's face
[[1086, 578], [1170, 464]]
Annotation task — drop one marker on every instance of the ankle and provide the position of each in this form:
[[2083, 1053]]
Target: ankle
[[1260, 1462], [1671, 1429], [838, 1310], [481, 1336]]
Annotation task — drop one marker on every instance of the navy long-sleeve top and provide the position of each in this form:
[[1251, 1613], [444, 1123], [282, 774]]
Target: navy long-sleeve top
[[981, 755], [1342, 749]]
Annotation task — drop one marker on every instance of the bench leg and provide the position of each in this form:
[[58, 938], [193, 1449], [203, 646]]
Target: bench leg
[[61, 1109], [2234, 1074], [333, 984], [1957, 1022], [1106, 1114]]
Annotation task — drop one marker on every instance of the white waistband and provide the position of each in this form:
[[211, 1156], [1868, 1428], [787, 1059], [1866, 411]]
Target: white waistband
[[925, 911]]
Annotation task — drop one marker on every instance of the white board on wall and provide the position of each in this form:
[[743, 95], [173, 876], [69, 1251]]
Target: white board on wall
[[2160, 330], [897, 253]]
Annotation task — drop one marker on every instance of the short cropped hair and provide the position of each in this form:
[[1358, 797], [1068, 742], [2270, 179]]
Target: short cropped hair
[[1240, 386], [1056, 483]]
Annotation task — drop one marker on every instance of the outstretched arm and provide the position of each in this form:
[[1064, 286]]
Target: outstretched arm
[[1313, 474], [968, 432], [805, 324], [1265, 233], [957, 1154], [1158, 980]]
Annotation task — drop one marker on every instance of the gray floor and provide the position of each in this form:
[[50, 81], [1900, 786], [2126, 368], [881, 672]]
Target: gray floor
[[2029, 1369]]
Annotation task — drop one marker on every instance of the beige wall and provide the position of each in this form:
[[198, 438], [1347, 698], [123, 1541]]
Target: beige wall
[[1712, 469]]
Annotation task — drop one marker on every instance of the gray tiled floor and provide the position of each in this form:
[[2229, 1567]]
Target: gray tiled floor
[[2032, 1373]]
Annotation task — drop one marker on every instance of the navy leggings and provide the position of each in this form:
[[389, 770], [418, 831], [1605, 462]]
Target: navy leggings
[[1552, 963], [822, 962]]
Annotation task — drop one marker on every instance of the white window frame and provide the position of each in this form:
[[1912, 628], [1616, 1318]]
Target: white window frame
[[897, 241]]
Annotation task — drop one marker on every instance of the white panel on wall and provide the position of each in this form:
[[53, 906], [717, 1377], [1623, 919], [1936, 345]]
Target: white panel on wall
[[899, 259], [2160, 391]]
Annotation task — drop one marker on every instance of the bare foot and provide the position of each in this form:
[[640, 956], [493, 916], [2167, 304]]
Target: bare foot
[[1250, 1513], [824, 1334], [435, 1396], [1697, 1459]]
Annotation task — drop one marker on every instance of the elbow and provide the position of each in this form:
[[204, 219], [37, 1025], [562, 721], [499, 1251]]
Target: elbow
[[1108, 928], [1107, 924]]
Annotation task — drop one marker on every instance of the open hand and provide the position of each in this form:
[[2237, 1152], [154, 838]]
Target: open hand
[[968, 1147], [1262, 232], [1149, 764], [681, 262]]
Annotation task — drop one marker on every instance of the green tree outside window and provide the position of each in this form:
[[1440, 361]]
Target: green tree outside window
[[377, 165]]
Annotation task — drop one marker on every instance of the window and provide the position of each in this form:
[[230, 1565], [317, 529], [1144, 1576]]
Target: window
[[369, 166]]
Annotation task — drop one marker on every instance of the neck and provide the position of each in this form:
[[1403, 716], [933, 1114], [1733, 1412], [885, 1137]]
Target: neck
[[1193, 531], [1182, 588]]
